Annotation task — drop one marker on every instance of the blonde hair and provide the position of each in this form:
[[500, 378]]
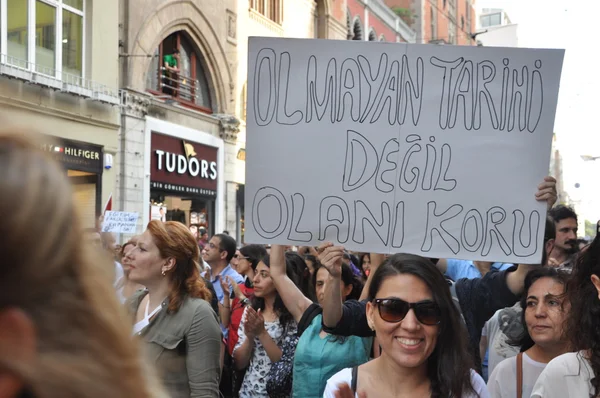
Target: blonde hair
[[84, 344]]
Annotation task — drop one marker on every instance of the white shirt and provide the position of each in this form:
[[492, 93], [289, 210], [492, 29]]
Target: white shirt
[[567, 375], [505, 321], [503, 380], [345, 376]]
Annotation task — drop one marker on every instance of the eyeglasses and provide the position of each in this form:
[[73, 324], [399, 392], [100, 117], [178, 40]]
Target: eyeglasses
[[394, 310], [240, 257]]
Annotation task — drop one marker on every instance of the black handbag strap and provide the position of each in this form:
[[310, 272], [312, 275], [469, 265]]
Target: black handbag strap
[[354, 380], [311, 313]]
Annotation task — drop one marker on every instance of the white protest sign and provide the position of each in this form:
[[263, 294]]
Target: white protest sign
[[390, 147], [120, 222]]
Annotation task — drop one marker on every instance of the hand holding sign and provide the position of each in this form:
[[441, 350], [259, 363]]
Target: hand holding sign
[[331, 257]]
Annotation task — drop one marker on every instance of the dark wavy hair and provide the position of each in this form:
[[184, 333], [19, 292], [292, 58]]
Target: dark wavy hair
[[347, 277], [300, 268], [259, 303], [254, 253], [361, 261], [524, 340], [583, 322], [449, 365]]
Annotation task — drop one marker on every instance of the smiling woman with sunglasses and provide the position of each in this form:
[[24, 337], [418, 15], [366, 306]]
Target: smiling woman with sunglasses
[[423, 342]]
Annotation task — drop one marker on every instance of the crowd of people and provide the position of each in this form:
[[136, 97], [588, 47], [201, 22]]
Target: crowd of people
[[171, 313]]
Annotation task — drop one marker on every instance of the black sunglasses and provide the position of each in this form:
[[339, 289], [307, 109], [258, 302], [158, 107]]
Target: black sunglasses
[[394, 310]]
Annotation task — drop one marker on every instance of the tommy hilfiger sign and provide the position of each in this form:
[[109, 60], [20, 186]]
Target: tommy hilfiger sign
[[184, 164], [76, 155]]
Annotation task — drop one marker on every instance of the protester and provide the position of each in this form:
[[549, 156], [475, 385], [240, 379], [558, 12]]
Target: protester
[[318, 355], [173, 315], [311, 263], [63, 333], [125, 287], [505, 325], [577, 374], [478, 299], [218, 253], [267, 334], [365, 265], [420, 332], [544, 311], [234, 260], [202, 238], [566, 245], [248, 260]]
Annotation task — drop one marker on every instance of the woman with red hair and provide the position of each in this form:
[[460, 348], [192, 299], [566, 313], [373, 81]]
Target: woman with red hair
[[173, 314]]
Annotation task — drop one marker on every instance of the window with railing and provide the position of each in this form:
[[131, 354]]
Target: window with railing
[[272, 9], [45, 37], [177, 72]]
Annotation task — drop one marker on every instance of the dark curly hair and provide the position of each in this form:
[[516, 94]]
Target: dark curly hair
[[583, 323], [449, 365], [254, 253], [280, 309], [524, 341]]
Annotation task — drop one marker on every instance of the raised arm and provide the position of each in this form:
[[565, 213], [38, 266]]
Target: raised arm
[[331, 258], [203, 361], [292, 297]]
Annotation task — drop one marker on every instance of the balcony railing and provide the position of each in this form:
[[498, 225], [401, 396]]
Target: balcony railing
[[178, 87], [47, 77]]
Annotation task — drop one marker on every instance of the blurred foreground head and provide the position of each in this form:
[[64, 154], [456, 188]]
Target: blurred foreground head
[[62, 331]]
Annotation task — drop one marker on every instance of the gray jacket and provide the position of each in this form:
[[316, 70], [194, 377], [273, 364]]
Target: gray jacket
[[185, 347]]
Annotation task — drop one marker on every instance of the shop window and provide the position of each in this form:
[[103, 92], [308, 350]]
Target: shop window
[[177, 71], [35, 46]]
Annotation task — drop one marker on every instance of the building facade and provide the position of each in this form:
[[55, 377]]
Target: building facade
[[373, 20], [439, 21], [178, 135], [495, 29], [59, 77]]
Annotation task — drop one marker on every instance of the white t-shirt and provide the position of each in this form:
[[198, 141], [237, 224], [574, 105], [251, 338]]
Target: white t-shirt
[[505, 322], [568, 375], [345, 376], [503, 380]]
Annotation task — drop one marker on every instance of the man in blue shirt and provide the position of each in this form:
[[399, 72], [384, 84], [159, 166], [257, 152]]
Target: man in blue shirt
[[458, 269], [218, 253]]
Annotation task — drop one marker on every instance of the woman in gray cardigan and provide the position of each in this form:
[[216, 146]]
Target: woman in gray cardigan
[[173, 315]]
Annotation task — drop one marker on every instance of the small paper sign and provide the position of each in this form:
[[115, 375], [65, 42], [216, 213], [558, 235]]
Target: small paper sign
[[120, 222]]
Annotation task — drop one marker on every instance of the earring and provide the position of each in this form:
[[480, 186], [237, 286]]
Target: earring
[[163, 272]]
